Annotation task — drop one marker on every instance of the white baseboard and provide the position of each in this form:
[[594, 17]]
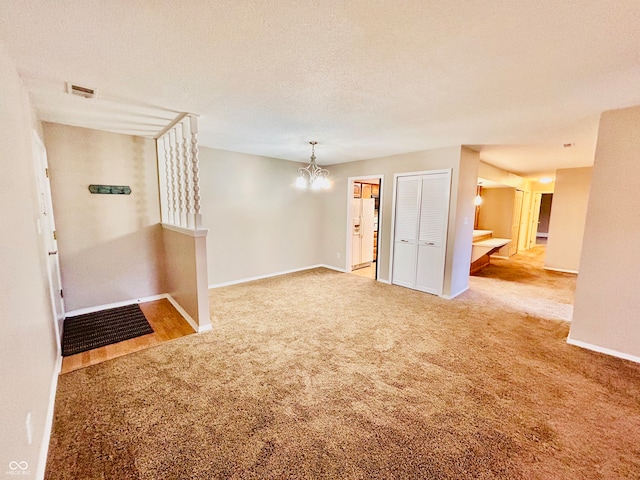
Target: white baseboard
[[502, 257], [133, 301], [562, 270], [97, 308], [606, 351], [275, 274], [330, 267], [451, 297], [384, 280], [48, 422], [187, 317]]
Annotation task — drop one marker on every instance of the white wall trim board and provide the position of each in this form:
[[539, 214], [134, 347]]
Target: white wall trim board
[[48, 423], [151, 298], [186, 316], [563, 270], [501, 257], [331, 267], [97, 308], [384, 280], [186, 231], [606, 351], [275, 274], [451, 297]]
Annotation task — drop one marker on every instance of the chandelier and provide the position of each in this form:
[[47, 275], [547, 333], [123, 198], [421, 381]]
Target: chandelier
[[313, 175]]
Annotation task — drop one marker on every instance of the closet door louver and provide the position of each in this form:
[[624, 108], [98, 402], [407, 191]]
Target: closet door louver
[[407, 202], [422, 213], [434, 209], [406, 230]]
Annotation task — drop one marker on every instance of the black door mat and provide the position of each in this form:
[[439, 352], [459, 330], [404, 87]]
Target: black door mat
[[97, 329]]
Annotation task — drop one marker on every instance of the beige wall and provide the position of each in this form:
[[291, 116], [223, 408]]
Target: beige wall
[[459, 254], [335, 203], [496, 213], [607, 300], [568, 214], [110, 245], [497, 175], [28, 349], [258, 222], [186, 272]]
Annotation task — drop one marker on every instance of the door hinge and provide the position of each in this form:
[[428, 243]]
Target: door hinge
[[61, 295], [55, 237], [46, 172]]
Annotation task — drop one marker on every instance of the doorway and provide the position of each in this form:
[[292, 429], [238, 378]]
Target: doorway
[[47, 230], [540, 219], [363, 225]]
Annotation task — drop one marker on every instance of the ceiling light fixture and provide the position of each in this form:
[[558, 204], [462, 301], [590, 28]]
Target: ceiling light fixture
[[546, 180], [313, 175], [478, 200]]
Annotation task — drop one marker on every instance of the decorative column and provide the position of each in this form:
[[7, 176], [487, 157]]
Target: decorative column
[[167, 168], [197, 217]]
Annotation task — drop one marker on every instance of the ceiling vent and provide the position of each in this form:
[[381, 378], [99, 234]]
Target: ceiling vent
[[83, 92]]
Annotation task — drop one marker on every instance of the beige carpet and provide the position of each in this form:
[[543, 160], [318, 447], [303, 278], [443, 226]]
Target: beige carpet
[[326, 375]]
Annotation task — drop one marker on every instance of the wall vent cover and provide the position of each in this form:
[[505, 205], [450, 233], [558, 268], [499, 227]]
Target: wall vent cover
[[81, 91]]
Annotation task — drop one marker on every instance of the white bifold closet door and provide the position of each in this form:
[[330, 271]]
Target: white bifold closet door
[[420, 231]]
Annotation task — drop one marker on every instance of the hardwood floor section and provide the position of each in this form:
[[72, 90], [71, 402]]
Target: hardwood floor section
[[166, 322]]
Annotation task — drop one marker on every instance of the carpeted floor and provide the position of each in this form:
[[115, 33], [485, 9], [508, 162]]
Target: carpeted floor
[[319, 374]]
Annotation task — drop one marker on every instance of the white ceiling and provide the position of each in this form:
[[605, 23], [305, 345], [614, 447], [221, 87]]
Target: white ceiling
[[365, 78]]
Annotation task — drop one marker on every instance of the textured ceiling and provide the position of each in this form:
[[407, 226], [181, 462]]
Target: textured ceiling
[[514, 79]]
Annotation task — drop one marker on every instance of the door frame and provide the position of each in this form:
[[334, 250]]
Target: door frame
[[350, 182], [47, 227], [535, 218], [393, 216]]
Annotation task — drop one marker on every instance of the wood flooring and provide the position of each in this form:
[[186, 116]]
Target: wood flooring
[[167, 324]]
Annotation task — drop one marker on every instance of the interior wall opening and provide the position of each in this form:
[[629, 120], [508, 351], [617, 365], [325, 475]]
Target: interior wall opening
[[364, 224]]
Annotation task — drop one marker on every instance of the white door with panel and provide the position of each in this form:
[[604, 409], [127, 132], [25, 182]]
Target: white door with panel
[[420, 231], [47, 228], [515, 222]]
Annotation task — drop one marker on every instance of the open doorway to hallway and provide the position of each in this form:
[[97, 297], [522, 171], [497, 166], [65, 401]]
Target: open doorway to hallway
[[544, 215], [363, 224]]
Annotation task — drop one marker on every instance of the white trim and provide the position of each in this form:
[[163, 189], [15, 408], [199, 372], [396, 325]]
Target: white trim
[[48, 422], [201, 232], [384, 280], [275, 274], [606, 351], [330, 267], [124, 303], [562, 270], [501, 257], [451, 297], [186, 316]]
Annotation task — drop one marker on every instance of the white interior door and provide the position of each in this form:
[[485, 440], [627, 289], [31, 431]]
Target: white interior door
[[47, 229], [523, 232], [405, 248], [434, 218], [515, 222], [420, 231]]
